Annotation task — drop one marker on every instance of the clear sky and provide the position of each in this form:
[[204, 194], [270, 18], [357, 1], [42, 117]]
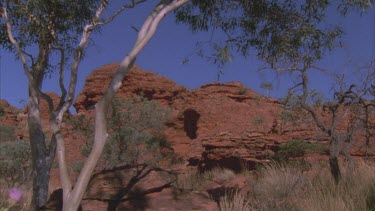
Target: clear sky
[[172, 43]]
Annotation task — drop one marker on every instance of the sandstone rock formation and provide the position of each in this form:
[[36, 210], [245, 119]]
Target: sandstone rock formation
[[137, 82], [225, 125]]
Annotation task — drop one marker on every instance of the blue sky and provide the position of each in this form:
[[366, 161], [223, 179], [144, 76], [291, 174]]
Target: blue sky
[[172, 43]]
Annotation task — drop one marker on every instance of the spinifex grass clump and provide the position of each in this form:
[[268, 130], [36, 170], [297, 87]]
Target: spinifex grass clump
[[234, 201], [356, 191], [194, 181], [282, 187]]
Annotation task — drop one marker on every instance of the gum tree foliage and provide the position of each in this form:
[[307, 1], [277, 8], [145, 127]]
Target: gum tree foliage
[[279, 31]]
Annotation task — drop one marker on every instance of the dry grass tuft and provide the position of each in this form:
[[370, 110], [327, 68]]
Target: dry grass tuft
[[234, 201], [193, 180], [356, 191], [276, 187], [7, 203], [282, 187]]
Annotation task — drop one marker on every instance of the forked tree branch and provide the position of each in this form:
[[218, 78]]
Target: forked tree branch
[[64, 174], [125, 6], [146, 32]]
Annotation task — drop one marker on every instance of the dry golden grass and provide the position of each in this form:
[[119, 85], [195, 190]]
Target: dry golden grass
[[281, 187], [24, 204], [234, 201], [356, 191], [6, 203], [193, 180]]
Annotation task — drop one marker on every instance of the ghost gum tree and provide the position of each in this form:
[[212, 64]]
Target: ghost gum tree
[[53, 26], [35, 32]]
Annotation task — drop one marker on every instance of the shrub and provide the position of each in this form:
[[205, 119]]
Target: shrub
[[2, 112], [81, 124], [6, 133], [15, 161], [242, 91], [297, 148], [134, 127], [160, 148], [257, 121], [77, 166]]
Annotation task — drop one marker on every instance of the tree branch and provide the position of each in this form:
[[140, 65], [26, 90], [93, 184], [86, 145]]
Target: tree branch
[[125, 6], [61, 79], [64, 175], [4, 14], [146, 32]]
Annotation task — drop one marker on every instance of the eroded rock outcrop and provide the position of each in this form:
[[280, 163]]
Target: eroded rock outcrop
[[136, 82], [218, 124]]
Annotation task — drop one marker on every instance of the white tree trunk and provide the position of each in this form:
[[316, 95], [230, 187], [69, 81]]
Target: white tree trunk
[[74, 198]]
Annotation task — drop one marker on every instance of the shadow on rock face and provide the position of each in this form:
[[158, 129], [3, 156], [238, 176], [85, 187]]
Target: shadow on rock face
[[191, 118]]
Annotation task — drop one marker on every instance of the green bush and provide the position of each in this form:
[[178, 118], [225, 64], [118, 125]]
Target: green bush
[[257, 121], [2, 112], [77, 166], [297, 148], [81, 124], [6, 133], [134, 130], [15, 161], [242, 91]]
